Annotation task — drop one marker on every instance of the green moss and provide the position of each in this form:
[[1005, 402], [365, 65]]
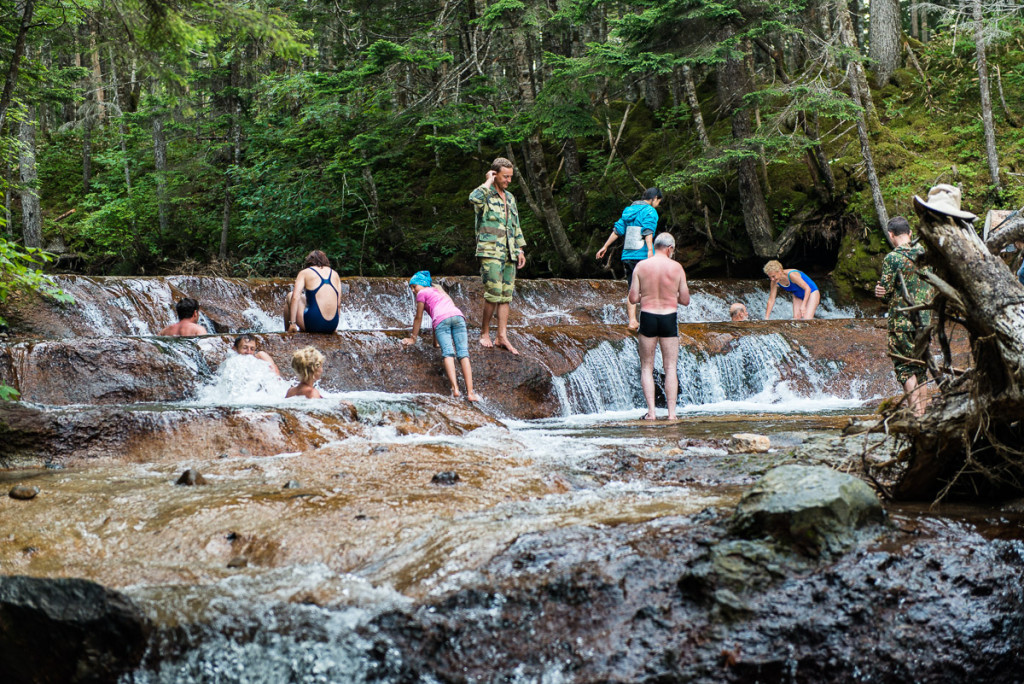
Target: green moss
[[860, 263]]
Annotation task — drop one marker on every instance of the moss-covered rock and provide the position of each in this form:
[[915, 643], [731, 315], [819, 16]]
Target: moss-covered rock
[[859, 265]]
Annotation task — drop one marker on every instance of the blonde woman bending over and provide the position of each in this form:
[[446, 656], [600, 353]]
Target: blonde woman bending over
[[805, 293]]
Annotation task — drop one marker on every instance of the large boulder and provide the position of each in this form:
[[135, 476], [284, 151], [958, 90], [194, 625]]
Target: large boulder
[[814, 509], [67, 630]]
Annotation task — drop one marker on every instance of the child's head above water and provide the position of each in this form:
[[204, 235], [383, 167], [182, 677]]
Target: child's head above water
[[307, 364]]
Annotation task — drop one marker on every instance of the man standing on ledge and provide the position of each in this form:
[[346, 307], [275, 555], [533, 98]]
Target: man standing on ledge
[[659, 286], [499, 245]]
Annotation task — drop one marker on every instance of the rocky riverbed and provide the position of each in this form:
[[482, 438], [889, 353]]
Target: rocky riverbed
[[664, 558]]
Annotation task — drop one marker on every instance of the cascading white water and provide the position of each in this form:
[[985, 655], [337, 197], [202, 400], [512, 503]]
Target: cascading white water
[[759, 370]]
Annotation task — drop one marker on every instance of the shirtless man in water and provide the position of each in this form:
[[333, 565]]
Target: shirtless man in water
[[659, 285], [188, 320]]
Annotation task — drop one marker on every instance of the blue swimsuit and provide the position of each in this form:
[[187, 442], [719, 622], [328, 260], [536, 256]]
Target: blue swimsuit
[[311, 316], [795, 289]]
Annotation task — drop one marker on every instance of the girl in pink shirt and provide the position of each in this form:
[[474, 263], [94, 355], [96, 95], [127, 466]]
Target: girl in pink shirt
[[449, 329]]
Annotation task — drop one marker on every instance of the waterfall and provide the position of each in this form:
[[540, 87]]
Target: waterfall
[[760, 369]]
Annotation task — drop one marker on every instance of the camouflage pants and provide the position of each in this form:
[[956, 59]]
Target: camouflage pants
[[901, 342], [499, 276]]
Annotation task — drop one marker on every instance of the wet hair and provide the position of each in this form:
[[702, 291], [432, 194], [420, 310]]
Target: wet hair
[[651, 194], [772, 267], [500, 163], [306, 362], [186, 308], [898, 225], [736, 308], [664, 240], [247, 337], [316, 258]]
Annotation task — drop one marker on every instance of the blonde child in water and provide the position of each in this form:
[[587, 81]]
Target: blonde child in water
[[308, 364], [449, 329]]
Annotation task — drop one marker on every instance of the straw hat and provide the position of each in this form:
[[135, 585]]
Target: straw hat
[[944, 199]]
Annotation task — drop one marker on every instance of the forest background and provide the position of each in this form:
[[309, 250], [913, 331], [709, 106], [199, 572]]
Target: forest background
[[148, 137]]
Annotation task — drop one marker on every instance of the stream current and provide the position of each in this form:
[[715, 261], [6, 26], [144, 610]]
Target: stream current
[[283, 566]]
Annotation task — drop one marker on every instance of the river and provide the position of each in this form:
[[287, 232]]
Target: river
[[391, 533]]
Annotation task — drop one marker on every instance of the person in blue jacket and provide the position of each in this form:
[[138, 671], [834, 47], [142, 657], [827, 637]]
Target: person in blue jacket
[[637, 225]]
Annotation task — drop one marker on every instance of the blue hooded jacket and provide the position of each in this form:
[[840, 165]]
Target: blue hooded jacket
[[638, 219]]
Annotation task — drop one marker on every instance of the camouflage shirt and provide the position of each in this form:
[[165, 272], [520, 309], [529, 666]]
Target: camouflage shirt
[[498, 235], [903, 260]]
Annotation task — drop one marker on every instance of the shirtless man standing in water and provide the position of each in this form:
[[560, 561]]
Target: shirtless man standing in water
[[659, 285]]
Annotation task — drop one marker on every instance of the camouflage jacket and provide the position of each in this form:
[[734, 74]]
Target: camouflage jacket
[[498, 235], [903, 260]]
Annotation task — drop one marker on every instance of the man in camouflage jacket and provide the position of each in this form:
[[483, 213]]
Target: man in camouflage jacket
[[899, 271], [499, 245]]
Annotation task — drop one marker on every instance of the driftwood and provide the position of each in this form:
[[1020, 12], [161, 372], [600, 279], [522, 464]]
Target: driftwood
[[970, 441], [1009, 231]]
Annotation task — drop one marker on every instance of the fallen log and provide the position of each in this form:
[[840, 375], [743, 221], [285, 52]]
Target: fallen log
[[969, 444]]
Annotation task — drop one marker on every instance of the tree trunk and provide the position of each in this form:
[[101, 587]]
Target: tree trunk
[[574, 180], [534, 153], [869, 162], [31, 215], [849, 40], [817, 154], [19, 51], [86, 155], [733, 84], [97, 75], [236, 157], [120, 126], [1010, 231], [690, 90], [884, 39], [160, 164], [986, 98]]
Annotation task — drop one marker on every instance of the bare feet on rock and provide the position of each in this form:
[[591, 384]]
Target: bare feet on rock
[[503, 342], [485, 341], [472, 396], [650, 417], [456, 393]]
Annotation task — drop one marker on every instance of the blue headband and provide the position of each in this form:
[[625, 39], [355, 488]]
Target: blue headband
[[421, 278]]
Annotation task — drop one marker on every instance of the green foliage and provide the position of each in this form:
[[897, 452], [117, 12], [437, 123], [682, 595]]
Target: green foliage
[[20, 270]]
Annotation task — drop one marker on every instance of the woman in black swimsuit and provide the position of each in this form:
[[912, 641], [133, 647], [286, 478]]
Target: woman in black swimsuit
[[314, 304]]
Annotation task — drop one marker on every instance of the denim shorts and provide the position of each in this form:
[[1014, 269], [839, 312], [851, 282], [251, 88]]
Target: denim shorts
[[451, 335]]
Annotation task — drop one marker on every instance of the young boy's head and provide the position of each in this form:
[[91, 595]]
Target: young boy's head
[[307, 364], [186, 308]]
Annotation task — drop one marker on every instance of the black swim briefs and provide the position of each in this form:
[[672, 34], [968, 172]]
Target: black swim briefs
[[659, 325]]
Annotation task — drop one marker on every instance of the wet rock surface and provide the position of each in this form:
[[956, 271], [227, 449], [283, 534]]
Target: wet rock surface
[[23, 492], [814, 509], [640, 604], [67, 630]]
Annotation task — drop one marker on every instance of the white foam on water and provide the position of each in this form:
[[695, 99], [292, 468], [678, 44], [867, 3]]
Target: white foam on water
[[756, 374], [364, 319], [261, 321]]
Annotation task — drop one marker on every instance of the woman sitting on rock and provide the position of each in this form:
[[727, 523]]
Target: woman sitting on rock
[[449, 329], [314, 304], [806, 296]]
